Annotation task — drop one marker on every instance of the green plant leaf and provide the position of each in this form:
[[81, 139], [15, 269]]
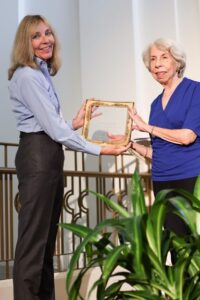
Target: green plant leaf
[[137, 196], [89, 251], [138, 244], [196, 192], [100, 289], [135, 279], [110, 290], [185, 211], [179, 277], [159, 268], [193, 198], [141, 256], [194, 294], [114, 288], [113, 205], [170, 274], [191, 292], [195, 262], [196, 202], [162, 195], [93, 236], [80, 230], [141, 295], [154, 228], [170, 293], [189, 255], [126, 230], [110, 262], [74, 292]]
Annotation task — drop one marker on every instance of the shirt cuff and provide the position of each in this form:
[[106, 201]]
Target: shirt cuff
[[70, 124], [93, 149]]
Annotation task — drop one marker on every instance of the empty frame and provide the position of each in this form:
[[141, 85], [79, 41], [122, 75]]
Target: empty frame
[[113, 118]]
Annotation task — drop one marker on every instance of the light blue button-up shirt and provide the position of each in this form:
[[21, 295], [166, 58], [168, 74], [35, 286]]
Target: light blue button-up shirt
[[37, 108]]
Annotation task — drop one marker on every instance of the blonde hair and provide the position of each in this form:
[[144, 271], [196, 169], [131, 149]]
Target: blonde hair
[[176, 52], [22, 52]]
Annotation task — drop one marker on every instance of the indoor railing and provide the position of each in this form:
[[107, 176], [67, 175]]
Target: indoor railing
[[108, 175]]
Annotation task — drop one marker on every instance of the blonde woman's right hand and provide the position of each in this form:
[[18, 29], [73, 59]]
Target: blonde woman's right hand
[[114, 149]]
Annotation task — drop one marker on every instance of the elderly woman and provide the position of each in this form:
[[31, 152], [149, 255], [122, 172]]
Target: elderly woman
[[174, 124]]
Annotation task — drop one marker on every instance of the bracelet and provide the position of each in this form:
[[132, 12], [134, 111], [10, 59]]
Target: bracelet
[[152, 129]]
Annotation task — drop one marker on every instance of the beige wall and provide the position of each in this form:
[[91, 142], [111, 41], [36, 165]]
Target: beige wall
[[101, 44], [96, 49], [63, 15]]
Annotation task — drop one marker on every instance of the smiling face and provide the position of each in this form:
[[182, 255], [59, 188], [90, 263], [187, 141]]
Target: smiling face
[[163, 66], [42, 41]]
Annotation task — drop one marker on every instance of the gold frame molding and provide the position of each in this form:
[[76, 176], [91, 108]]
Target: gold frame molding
[[90, 103]]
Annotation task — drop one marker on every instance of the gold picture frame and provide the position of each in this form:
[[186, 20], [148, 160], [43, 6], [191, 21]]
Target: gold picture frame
[[114, 119]]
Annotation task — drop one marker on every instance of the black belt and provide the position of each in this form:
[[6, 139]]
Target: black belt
[[30, 133]]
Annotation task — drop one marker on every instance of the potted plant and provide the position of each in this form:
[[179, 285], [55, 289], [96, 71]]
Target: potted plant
[[139, 260]]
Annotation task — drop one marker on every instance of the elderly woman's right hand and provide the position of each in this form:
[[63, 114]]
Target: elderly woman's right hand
[[139, 123]]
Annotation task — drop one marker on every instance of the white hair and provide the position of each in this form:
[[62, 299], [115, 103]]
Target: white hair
[[174, 49]]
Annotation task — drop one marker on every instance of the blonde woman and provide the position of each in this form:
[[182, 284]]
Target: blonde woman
[[39, 160]]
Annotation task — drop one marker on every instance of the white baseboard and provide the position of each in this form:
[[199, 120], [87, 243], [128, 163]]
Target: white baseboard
[[6, 289], [6, 286]]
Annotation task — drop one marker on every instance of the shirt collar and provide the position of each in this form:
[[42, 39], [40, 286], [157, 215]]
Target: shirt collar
[[40, 62]]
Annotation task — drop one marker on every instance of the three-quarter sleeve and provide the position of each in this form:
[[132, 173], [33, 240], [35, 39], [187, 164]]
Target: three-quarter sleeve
[[192, 120]]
